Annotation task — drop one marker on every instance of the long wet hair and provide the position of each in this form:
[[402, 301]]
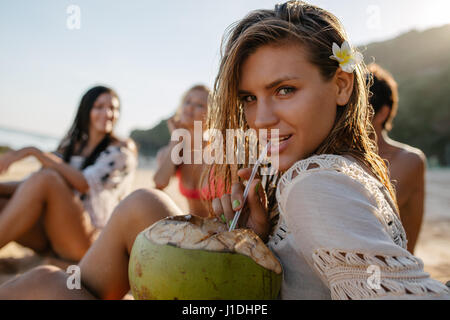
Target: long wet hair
[[315, 30], [78, 135]]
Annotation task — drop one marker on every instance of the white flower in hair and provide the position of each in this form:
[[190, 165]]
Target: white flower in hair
[[347, 57]]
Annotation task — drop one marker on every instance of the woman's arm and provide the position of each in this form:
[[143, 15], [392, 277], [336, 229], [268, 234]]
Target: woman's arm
[[48, 160], [10, 157], [334, 226], [74, 177], [412, 211], [166, 167]]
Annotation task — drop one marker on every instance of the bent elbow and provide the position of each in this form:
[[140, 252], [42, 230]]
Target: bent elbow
[[159, 183], [160, 186], [83, 188]]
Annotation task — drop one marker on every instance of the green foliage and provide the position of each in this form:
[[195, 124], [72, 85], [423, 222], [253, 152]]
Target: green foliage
[[420, 63], [151, 140], [4, 149]]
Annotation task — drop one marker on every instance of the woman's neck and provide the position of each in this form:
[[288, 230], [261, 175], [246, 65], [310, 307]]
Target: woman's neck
[[385, 144], [95, 138]]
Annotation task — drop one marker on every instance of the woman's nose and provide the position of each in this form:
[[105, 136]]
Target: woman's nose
[[265, 118], [109, 113], [189, 107]]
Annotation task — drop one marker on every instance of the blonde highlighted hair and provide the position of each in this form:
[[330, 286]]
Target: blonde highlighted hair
[[314, 29], [199, 87]]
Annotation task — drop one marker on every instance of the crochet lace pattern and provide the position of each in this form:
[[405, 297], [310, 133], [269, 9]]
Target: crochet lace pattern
[[345, 271]]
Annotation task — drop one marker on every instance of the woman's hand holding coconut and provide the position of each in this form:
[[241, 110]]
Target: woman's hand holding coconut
[[255, 217]]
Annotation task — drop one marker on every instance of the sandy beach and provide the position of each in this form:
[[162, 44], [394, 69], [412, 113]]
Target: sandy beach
[[433, 245]]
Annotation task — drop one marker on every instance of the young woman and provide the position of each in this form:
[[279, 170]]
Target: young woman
[[407, 165], [64, 205], [194, 106], [338, 234], [337, 216]]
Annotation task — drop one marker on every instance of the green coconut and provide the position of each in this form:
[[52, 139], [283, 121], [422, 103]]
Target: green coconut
[[191, 258]]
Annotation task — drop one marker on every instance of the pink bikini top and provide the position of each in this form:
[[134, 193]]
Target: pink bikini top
[[208, 192]]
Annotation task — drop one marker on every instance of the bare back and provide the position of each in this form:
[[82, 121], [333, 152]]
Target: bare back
[[407, 166]]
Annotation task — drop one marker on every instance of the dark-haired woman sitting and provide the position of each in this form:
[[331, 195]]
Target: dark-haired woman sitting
[[63, 206]]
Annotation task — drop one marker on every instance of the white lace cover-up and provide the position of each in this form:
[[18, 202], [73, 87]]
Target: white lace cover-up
[[110, 180], [339, 237]]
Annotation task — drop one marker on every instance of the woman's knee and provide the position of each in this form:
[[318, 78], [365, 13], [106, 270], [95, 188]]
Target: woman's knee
[[46, 177], [144, 200], [32, 284], [143, 206], [145, 197], [44, 273], [45, 282]]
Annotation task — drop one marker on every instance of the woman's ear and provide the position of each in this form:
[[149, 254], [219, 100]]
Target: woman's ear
[[381, 116], [344, 86]]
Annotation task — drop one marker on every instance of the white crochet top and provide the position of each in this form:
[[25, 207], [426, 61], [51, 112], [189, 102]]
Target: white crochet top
[[110, 180], [339, 236]]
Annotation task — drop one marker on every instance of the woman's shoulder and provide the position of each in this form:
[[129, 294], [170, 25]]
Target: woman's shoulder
[[327, 174], [323, 165], [121, 147], [119, 151], [127, 144], [339, 183]]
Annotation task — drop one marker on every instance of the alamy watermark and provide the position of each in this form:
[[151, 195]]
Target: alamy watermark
[[374, 17], [374, 281], [73, 21], [240, 146], [74, 280]]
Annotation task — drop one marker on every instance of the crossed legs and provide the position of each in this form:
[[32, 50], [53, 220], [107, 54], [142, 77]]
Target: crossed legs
[[43, 211], [104, 268]]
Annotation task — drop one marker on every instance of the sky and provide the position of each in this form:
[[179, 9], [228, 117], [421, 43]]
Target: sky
[[150, 52]]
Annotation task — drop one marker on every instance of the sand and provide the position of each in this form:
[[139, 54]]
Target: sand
[[433, 246]]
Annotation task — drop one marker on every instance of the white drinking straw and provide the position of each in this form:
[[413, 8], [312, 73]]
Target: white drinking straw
[[247, 187]]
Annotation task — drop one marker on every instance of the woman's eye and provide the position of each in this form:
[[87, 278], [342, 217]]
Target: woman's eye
[[248, 99], [285, 91]]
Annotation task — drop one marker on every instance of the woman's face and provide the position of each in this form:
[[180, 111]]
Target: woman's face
[[104, 113], [280, 89], [194, 108]]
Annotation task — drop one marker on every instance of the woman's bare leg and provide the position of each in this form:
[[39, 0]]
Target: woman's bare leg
[[42, 283], [35, 238], [104, 268], [3, 202], [8, 188], [46, 195]]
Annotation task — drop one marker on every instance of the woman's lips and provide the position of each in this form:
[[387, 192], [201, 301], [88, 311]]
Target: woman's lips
[[277, 146], [104, 125]]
